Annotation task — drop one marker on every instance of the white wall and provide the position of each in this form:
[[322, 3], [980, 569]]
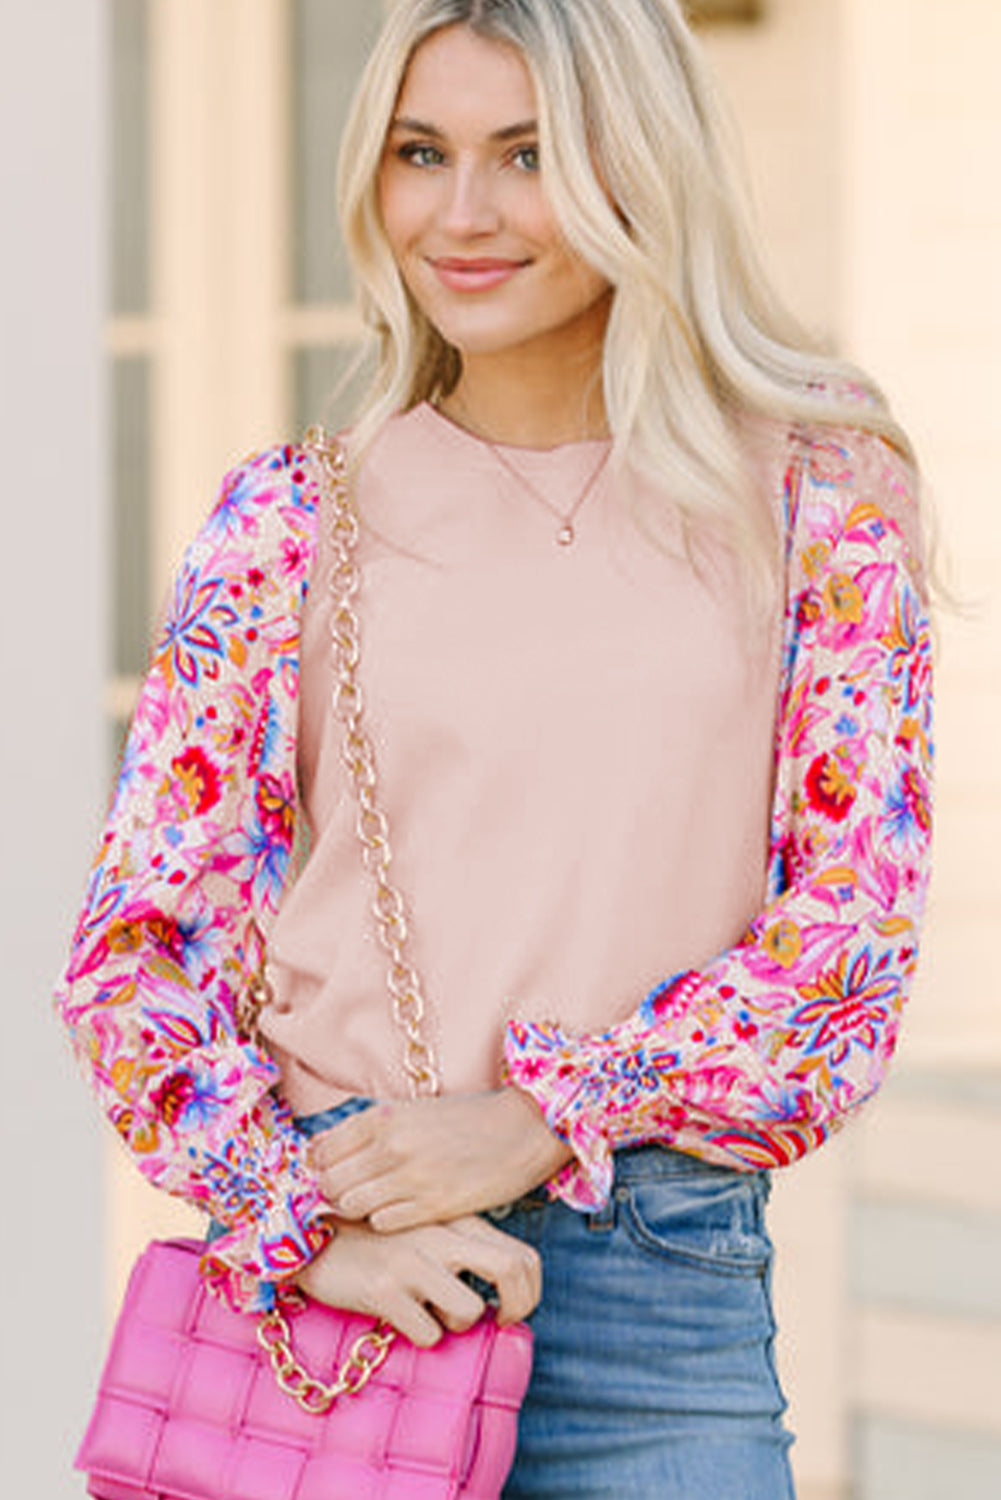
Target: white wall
[[922, 251], [873, 131], [923, 306], [781, 80], [52, 607]]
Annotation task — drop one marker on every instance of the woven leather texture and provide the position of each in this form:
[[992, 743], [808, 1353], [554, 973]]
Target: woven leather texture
[[188, 1407]]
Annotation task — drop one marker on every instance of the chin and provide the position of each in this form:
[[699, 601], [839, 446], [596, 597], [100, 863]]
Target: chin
[[468, 338]]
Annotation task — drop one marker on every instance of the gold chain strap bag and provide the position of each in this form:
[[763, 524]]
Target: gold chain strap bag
[[198, 1402]]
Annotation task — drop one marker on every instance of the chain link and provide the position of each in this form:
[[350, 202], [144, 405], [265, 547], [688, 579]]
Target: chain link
[[367, 1355], [251, 1002], [357, 752], [371, 824], [274, 1333]]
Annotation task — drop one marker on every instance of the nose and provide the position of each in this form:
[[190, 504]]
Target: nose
[[471, 207]]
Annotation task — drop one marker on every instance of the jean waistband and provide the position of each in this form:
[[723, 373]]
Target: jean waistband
[[632, 1163], [648, 1163], [639, 1163], [326, 1119]]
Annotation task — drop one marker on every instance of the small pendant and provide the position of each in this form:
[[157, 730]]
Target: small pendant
[[566, 536]]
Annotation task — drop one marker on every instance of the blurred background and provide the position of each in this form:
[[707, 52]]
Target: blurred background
[[172, 294]]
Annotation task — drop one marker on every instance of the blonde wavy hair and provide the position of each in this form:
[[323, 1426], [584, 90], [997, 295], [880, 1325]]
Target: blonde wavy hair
[[636, 167]]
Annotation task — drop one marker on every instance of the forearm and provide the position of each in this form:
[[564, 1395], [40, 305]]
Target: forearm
[[432, 1160]]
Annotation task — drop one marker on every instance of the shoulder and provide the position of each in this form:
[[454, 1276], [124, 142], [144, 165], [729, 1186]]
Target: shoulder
[[238, 595], [857, 494], [264, 518], [273, 490], [845, 499]]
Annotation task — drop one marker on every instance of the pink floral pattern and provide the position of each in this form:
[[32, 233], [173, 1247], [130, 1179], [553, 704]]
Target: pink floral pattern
[[752, 1062], [196, 853], [757, 1059]]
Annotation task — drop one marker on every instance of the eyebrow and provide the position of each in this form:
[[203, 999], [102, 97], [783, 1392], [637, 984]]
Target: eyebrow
[[422, 127]]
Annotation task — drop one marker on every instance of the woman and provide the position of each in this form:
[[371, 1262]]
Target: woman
[[646, 661]]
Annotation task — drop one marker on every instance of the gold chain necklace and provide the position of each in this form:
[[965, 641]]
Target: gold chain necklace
[[567, 534]]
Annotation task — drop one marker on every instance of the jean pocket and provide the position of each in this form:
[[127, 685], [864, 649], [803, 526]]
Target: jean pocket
[[714, 1220]]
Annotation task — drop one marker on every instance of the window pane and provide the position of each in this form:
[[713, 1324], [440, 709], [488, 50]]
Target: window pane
[[330, 44], [130, 142], [316, 381], [131, 542]]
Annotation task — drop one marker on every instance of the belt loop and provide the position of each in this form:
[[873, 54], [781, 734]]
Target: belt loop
[[603, 1219]]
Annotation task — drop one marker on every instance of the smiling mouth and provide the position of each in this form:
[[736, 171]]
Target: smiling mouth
[[479, 275]]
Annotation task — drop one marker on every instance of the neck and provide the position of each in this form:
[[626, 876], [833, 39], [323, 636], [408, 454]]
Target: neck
[[513, 398]]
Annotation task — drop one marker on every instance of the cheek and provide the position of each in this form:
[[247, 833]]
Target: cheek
[[575, 283], [579, 280], [535, 220], [397, 210]]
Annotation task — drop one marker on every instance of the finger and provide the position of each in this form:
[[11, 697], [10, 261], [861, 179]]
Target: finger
[[519, 1289], [412, 1318], [378, 1184], [399, 1296], [383, 1195], [519, 1292], [351, 1179], [461, 1322], [347, 1137], [511, 1266], [406, 1213], [455, 1304], [430, 1298]]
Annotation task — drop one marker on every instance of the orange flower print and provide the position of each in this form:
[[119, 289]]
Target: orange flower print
[[814, 559], [844, 599], [829, 788], [783, 943], [124, 937]]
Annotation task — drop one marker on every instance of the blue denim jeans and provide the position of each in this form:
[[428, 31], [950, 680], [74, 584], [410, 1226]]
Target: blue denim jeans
[[653, 1376]]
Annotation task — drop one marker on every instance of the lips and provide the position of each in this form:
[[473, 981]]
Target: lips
[[481, 274]]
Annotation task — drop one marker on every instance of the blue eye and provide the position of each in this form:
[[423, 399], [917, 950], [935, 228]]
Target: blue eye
[[420, 154]]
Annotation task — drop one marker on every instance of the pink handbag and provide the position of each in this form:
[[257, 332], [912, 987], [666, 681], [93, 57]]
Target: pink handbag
[[189, 1407], [198, 1402]]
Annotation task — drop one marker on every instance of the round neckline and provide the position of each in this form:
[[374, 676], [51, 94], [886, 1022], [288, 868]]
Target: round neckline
[[439, 420]]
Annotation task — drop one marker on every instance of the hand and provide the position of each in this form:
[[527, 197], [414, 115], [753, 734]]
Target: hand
[[426, 1162], [411, 1279]]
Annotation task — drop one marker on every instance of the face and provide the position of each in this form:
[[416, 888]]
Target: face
[[464, 212]]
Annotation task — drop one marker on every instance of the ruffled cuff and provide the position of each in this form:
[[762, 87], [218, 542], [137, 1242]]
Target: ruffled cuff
[[557, 1072], [263, 1189], [246, 1265]]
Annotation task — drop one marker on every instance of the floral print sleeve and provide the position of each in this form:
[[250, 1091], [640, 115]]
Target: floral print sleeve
[[194, 857], [759, 1057]]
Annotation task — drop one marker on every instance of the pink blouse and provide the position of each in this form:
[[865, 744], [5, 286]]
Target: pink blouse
[[575, 746], [689, 869]]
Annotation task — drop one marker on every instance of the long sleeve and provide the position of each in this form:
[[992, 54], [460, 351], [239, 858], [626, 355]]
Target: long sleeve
[[760, 1056], [189, 871]]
